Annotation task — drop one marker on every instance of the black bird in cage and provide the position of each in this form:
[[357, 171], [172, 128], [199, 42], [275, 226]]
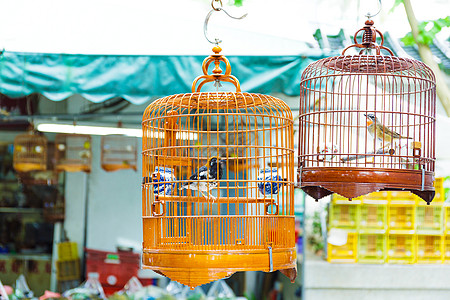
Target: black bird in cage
[[206, 178]]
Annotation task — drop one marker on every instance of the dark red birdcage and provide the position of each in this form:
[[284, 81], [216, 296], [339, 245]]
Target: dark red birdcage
[[367, 123]]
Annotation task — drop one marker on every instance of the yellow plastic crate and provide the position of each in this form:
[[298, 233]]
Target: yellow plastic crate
[[429, 249], [401, 248], [346, 253], [446, 209], [401, 215], [68, 270], [446, 256], [67, 251], [383, 195], [403, 195], [439, 189], [372, 215], [429, 218], [344, 214], [372, 248], [338, 198]]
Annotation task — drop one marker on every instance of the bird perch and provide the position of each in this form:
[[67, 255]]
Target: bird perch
[[355, 157]]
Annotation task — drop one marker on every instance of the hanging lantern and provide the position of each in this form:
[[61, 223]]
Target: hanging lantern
[[118, 152], [73, 152], [367, 123], [209, 222], [30, 152]]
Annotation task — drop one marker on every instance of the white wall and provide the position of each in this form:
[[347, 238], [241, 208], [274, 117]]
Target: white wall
[[114, 205], [75, 194], [114, 199]]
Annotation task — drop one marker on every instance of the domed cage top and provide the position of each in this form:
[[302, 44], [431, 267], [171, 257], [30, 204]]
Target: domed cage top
[[30, 152], [217, 182], [73, 152], [367, 123], [118, 152]]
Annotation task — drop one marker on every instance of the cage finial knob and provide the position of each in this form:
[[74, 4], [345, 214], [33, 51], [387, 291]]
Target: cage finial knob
[[217, 73], [370, 34], [217, 70], [369, 39], [216, 49]]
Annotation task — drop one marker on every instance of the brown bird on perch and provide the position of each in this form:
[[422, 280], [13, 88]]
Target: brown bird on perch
[[381, 132]]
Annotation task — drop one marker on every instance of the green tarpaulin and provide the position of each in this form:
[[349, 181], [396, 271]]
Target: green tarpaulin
[[137, 78]]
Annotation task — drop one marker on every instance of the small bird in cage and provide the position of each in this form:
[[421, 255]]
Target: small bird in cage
[[84, 154], [381, 132], [320, 103], [204, 179]]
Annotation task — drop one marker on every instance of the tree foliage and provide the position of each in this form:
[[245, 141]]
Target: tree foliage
[[236, 2], [427, 29]]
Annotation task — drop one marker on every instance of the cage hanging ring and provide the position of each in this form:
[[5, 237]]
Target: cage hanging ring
[[205, 29], [208, 16], [217, 8], [369, 15]]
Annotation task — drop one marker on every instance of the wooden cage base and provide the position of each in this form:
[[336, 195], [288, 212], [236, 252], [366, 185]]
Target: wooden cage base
[[73, 168], [355, 182], [194, 268], [116, 167], [27, 167]]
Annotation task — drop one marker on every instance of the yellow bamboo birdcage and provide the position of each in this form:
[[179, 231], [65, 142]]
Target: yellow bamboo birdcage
[[30, 152], [73, 152], [214, 222], [119, 152], [367, 123]]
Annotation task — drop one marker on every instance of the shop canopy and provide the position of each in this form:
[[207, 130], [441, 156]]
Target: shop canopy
[[137, 78]]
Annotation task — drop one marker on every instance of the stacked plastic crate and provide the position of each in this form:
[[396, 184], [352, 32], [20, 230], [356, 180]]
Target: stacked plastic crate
[[430, 227], [67, 266], [446, 255], [402, 225], [392, 227], [372, 222], [344, 215], [114, 269]]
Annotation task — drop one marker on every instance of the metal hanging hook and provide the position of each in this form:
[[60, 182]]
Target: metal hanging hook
[[369, 15], [208, 16]]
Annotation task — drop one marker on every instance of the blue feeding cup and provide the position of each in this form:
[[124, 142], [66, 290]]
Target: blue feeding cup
[[163, 181], [265, 186]]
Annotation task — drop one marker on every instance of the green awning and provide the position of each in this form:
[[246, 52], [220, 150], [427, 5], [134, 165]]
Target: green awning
[[137, 78]]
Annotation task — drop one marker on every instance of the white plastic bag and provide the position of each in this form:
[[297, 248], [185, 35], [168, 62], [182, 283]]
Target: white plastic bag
[[3, 294], [22, 288], [91, 286], [220, 290]]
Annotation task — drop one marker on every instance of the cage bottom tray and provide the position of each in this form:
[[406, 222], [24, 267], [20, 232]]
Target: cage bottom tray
[[73, 168], [194, 268], [116, 167], [354, 182], [27, 167]]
